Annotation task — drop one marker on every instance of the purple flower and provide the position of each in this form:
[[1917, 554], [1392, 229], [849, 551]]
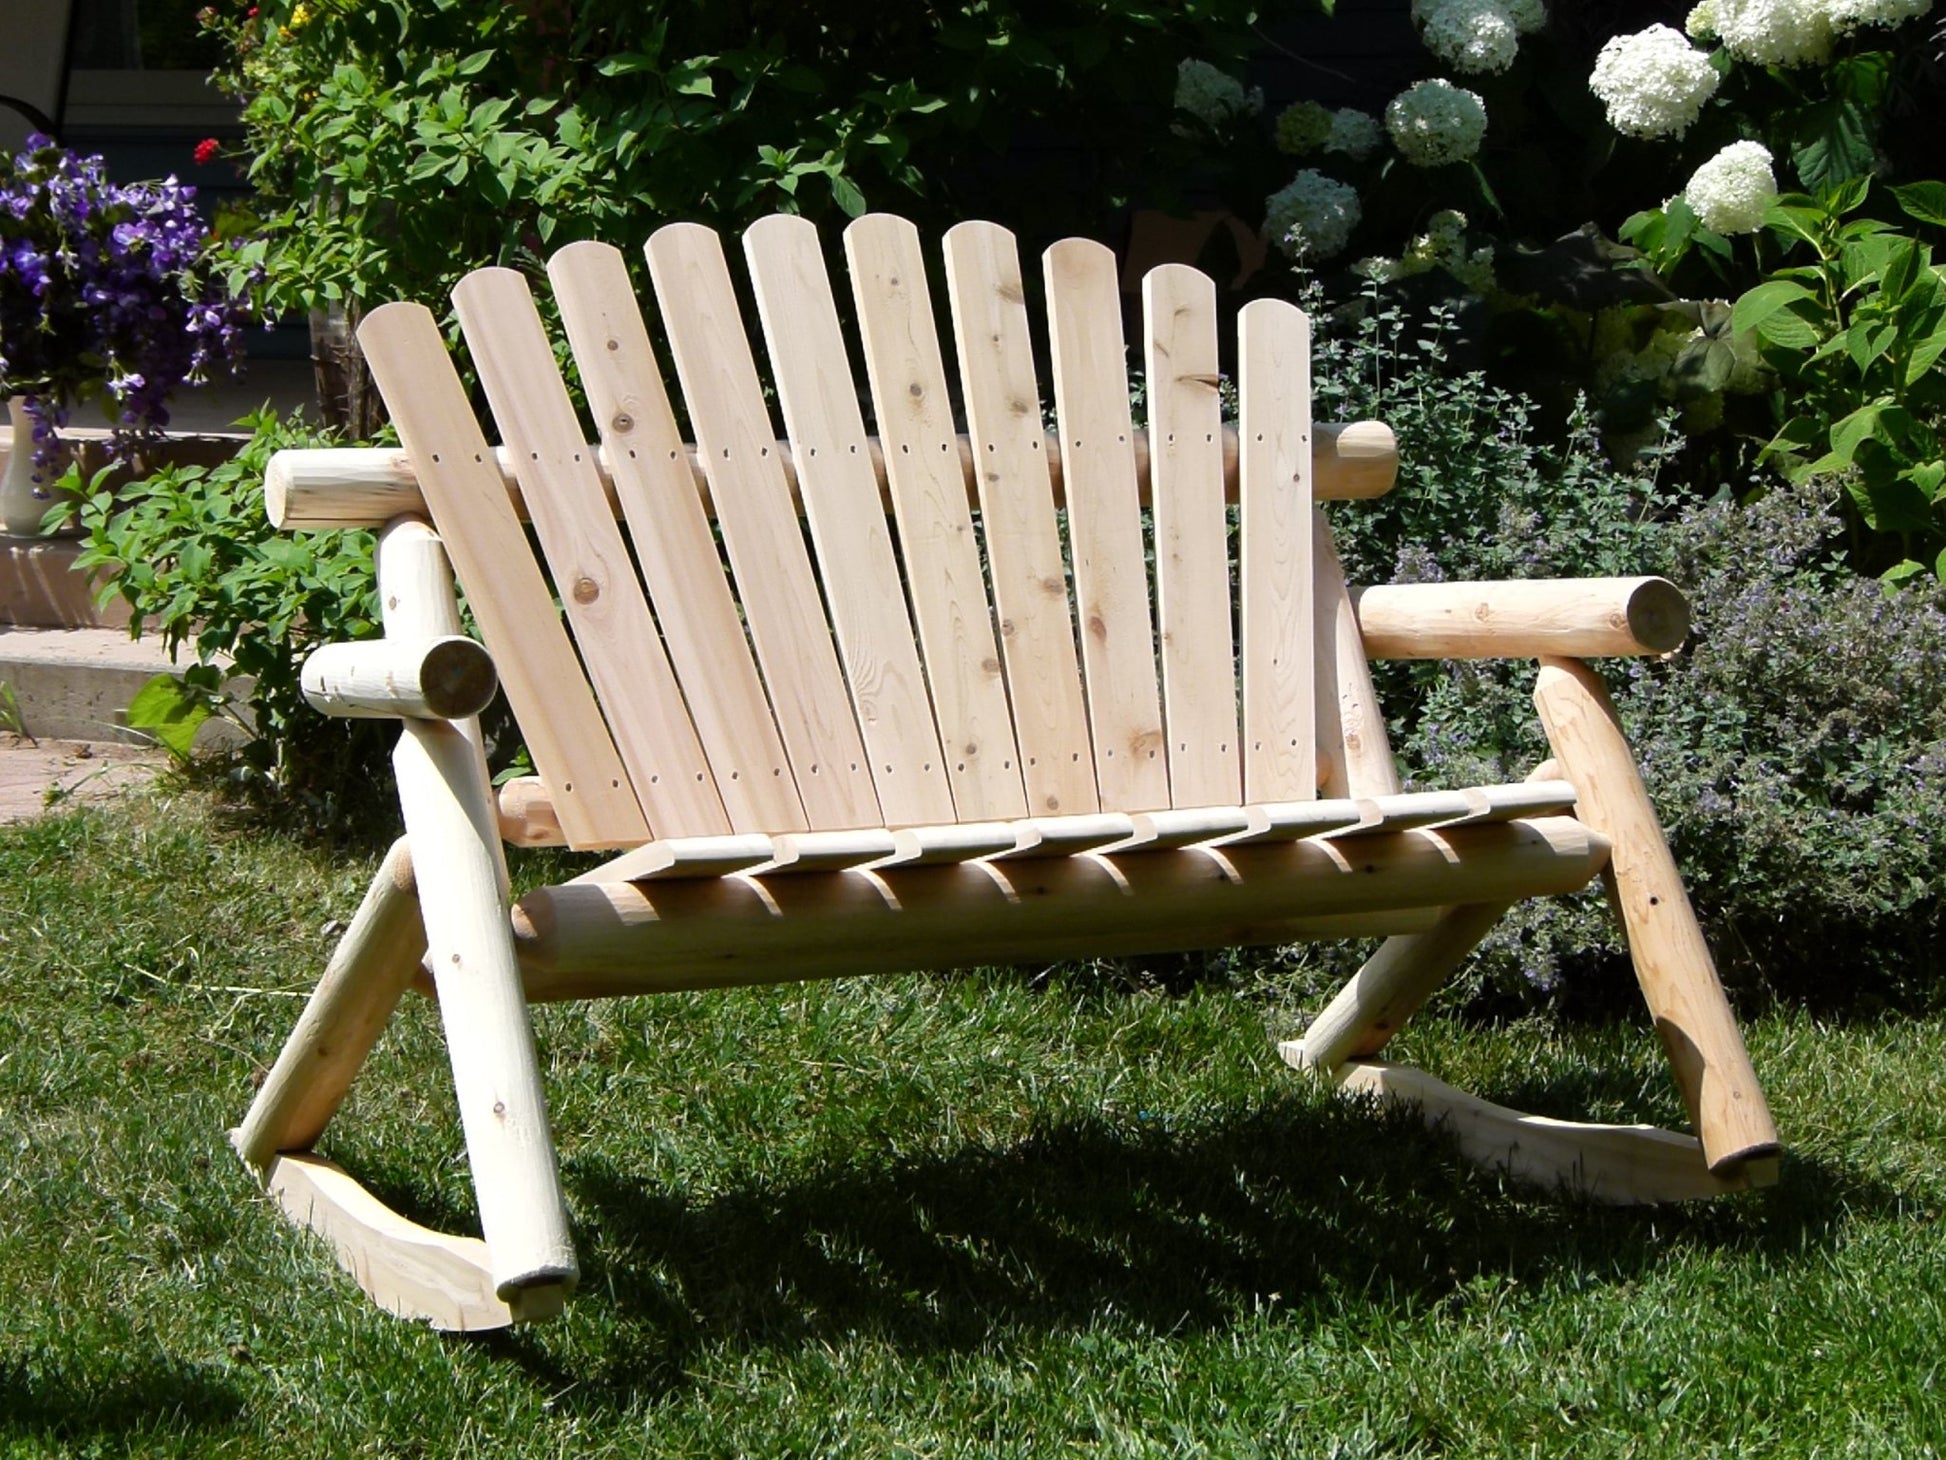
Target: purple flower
[[106, 293]]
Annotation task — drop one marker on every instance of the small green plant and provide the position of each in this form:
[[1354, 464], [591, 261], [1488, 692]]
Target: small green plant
[[11, 721], [191, 552], [1855, 333]]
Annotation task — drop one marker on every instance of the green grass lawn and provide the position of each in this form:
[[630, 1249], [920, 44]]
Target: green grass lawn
[[1023, 1212]]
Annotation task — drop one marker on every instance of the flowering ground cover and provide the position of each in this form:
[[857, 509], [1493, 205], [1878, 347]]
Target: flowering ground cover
[[1026, 1212]]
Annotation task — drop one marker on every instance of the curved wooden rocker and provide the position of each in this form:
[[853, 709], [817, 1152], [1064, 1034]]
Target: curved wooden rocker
[[908, 742]]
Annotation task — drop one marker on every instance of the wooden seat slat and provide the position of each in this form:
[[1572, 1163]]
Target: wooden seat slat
[[1023, 542], [1111, 581], [921, 459], [536, 662], [1192, 551], [680, 561], [775, 582], [1279, 731], [592, 570], [849, 528]]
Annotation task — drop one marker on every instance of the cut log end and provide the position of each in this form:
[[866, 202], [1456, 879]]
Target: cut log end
[[1658, 616]]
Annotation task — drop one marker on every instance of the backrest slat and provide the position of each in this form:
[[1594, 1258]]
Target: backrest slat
[[1192, 550], [1111, 580], [775, 582], [509, 598], [1354, 751], [671, 533], [592, 570], [849, 528], [1280, 761], [936, 538], [996, 364]]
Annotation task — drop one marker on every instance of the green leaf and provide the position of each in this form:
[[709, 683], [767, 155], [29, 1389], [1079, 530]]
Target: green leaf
[[1928, 477], [1865, 341], [1760, 303], [1847, 196], [845, 193], [1833, 142], [1911, 568], [474, 64], [1925, 201], [1848, 433], [171, 711]]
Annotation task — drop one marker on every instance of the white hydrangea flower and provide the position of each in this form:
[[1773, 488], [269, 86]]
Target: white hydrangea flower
[[1313, 216], [1434, 122], [1354, 133], [1731, 191], [1701, 24], [1213, 95], [1654, 83], [1468, 35], [1849, 15], [1775, 32]]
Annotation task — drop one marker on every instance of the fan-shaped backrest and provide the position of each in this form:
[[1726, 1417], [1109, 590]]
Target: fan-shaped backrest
[[968, 623]]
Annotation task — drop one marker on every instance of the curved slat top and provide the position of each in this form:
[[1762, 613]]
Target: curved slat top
[[1280, 733], [1111, 580], [591, 566], [1192, 550], [936, 535], [849, 528], [671, 532], [996, 364], [543, 681], [753, 504]]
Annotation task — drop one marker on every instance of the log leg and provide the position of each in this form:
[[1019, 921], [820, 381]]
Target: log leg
[[454, 830], [1395, 981], [450, 819], [361, 986], [1672, 962]]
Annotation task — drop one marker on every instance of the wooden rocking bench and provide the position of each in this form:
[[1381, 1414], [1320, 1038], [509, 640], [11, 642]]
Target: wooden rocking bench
[[965, 724]]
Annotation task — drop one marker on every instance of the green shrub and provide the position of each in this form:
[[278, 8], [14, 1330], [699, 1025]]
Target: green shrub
[[1796, 746], [192, 553]]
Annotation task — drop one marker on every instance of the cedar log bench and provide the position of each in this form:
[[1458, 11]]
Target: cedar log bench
[[965, 691]]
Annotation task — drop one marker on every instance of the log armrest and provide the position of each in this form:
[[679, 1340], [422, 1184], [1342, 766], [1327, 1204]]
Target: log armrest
[[448, 677], [1578, 618]]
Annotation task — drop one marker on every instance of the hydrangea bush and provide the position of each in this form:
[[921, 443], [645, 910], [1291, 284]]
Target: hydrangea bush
[[107, 293]]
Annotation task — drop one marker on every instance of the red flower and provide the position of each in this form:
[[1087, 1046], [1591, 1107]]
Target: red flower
[[206, 151], [251, 13]]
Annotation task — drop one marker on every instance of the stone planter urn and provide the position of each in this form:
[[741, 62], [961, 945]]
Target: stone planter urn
[[24, 495]]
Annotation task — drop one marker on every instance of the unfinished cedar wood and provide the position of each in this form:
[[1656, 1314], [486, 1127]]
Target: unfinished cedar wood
[[878, 731]]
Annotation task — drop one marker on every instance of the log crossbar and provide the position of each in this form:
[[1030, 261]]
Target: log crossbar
[[948, 690], [314, 489]]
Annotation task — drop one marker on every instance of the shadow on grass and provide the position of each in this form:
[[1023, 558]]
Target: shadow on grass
[[114, 1396], [1300, 1205]]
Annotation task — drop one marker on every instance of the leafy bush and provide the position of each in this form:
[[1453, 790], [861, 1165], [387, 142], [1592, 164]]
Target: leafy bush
[[396, 145], [1796, 746], [192, 553]]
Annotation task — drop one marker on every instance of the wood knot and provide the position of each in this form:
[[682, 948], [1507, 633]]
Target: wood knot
[[586, 590], [623, 421]]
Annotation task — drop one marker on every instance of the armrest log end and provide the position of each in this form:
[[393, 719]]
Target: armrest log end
[[445, 678], [1579, 618]]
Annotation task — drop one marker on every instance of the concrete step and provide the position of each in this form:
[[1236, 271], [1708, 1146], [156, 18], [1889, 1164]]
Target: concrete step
[[76, 684], [40, 589]]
